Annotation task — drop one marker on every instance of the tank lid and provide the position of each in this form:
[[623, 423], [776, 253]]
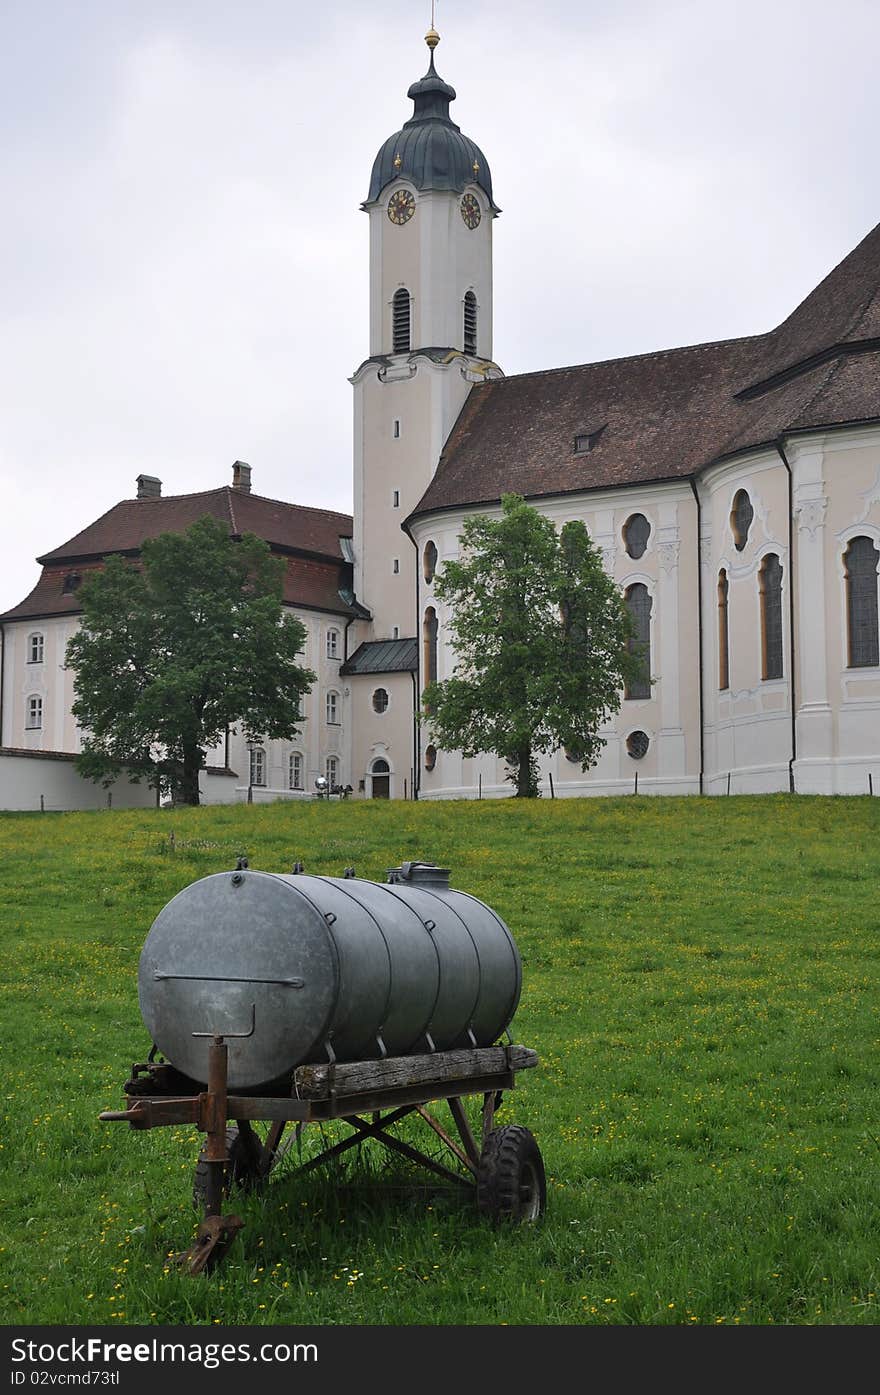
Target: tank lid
[[420, 874]]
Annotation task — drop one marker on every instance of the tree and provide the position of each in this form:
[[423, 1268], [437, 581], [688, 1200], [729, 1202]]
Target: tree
[[543, 642], [173, 649]]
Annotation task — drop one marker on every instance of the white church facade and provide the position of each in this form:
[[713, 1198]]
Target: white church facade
[[733, 487]]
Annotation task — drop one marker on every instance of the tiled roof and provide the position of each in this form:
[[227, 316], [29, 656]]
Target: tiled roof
[[668, 415], [383, 656], [129, 523], [315, 568]]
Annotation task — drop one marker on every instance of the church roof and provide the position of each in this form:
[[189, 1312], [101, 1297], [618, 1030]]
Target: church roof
[[430, 150], [670, 414]]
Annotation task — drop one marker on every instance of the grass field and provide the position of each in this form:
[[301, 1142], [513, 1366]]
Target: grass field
[[702, 984]]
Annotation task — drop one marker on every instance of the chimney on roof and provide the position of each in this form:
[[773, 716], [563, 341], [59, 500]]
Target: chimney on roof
[[149, 487], [241, 476]]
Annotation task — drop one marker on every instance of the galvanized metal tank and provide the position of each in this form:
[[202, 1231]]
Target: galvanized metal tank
[[291, 969]]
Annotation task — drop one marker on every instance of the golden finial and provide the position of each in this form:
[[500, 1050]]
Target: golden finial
[[476, 167], [432, 38], [397, 161]]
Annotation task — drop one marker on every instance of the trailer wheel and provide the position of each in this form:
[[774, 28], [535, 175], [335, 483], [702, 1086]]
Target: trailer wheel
[[511, 1184], [243, 1169]]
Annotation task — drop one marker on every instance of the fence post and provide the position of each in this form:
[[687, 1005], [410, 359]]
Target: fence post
[[480, 785], [870, 783], [42, 804], [728, 782], [636, 789], [552, 791]]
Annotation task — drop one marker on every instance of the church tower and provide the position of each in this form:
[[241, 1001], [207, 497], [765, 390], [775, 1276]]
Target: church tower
[[431, 211]]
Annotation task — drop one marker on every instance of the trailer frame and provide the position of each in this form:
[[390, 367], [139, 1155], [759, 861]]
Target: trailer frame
[[504, 1168]]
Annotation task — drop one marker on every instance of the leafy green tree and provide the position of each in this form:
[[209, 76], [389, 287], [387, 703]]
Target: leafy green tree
[[173, 649], [543, 642]]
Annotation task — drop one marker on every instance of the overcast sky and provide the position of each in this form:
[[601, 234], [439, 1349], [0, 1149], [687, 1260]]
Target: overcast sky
[[184, 262]]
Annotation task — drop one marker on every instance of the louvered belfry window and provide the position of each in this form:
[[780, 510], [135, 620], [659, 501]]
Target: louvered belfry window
[[770, 583], [638, 600], [400, 322], [470, 323], [861, 561]]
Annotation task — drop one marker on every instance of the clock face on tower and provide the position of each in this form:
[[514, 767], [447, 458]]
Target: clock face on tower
[[401, 206], [470, 211]]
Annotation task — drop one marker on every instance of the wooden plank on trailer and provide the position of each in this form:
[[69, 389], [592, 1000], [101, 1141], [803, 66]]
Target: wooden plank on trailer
[[371, 1077]]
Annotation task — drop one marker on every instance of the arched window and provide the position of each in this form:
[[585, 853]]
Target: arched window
[[470, 322], [430, 757], [429, 561], [400, 320], [639, 602], [770, 588], [861, 560], [34, 717], [723, 640], [258, 766], [380, 700], [332, 644], [636, 531], [35, 648], [295, 774], [430, 630], [741, 516], [332, 709]]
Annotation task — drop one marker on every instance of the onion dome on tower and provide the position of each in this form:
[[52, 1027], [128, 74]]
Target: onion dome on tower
[[430, 149]]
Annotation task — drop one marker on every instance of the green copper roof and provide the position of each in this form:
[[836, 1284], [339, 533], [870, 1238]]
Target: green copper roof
[[430, 149]]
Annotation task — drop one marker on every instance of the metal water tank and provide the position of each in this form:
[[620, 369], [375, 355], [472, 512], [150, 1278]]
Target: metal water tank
[[291, 969]]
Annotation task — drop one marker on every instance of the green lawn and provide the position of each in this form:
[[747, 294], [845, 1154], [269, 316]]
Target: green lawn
[[701, 984]]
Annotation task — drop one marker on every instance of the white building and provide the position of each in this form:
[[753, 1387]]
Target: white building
[[734, 489]]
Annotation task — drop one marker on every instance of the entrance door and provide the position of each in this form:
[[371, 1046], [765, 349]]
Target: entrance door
[[381, 779]]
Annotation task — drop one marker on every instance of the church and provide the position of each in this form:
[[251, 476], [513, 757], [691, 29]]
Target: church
[[733, 488]]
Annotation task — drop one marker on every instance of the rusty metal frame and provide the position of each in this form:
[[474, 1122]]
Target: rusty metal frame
[[154, 1100]]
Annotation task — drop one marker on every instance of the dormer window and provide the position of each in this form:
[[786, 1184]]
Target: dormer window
[[584, 441], [470, 323], [71, 583], [400, 321]]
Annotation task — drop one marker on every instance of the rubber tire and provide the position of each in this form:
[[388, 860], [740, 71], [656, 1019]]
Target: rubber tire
[[239, 1172], [511, 1183]]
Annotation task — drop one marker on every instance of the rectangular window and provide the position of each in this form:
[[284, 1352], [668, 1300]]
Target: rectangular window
[[296, 771], [396, 429], [34, 719], [395, 566], [332, 771], [395, 498], [332, 709], [35, 649], [258, 768], [332, 644]]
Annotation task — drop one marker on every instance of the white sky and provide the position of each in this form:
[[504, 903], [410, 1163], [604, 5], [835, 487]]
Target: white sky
[[183, 262]]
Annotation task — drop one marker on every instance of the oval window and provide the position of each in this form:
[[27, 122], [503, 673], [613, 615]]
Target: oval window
[[430, 757], [636, 532], [380, 700], [637, 744], [429, 559], [741, 516]]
